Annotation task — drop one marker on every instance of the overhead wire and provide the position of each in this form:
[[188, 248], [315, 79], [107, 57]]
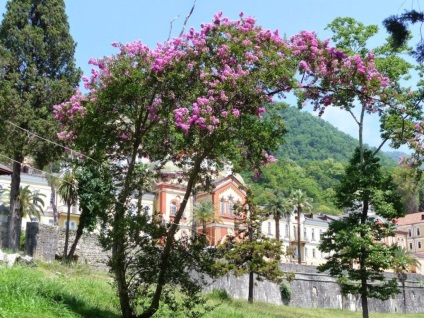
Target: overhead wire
[[50, 141]]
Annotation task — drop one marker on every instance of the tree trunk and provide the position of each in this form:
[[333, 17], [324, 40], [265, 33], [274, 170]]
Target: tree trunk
[[54, 207], [299, 256], [204, 227], [251, 282], [363, 256], [277, 228], [15, 214], [163, 269], [193, 224], [77, 238], [65, 249], [364, 299]]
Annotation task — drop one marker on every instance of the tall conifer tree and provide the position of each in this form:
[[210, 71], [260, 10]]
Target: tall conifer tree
[[38, 72]]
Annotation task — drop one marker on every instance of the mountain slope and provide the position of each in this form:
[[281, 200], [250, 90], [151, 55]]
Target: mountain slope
[[310, 138]]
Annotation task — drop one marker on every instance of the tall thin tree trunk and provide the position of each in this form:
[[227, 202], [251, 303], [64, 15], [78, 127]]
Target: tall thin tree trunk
[[65, 249], [299, 256], [163, 269], [54, 207], [362, 258], [364, 300], [193, 224], [204, 227], [251, 282], [277, 228], [76, 240], [15, 213]]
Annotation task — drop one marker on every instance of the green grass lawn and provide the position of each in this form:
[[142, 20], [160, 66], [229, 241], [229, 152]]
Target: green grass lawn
[[53, 290]]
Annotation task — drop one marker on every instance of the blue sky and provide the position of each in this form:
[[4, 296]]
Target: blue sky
[[95, 24]]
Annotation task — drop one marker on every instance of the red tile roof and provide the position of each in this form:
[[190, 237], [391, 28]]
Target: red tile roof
[[412, 218]]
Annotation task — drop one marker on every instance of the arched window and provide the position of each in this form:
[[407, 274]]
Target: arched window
[[305, 233], [286, 230], [230, 206], [222, 207]]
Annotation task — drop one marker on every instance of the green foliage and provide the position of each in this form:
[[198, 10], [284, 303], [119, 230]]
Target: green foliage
[[204, 212], [95, 194], [39, 72], [31, 201], [358, 256], [250, 252], [285, 292]]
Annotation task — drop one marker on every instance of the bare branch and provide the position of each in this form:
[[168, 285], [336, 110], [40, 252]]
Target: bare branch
[[170, 26], [187, 17]]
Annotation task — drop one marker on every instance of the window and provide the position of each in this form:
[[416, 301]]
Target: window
[[51, 222], [72, 225], [313, 253], [306, 252], [418, 231], [419, 244], [305, 236], [410, 246], [313, 234], [74, 209], [287, 230], [294, 231], [269, 228], [409, 233], [320, 234], [230, 207], [173, 208], [222, 207]]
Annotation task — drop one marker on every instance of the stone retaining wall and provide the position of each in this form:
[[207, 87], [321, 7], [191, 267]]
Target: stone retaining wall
[[46, 242], [308, 289], [312, 290]]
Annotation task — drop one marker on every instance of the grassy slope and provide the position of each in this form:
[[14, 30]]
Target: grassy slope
[[52, 290]]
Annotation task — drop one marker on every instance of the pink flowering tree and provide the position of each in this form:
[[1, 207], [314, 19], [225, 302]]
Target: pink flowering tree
[[201, 100]]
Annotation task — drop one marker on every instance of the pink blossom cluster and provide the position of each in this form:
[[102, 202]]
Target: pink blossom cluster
[[330, 77]]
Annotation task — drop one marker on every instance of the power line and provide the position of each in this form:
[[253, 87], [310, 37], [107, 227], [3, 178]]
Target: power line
[[50, 141]]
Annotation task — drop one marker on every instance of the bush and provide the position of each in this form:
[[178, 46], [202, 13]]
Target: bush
[[285, 292], [220, 294]]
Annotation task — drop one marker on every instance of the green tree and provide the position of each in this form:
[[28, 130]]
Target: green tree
[[204, 212], [250, 252], [95, 198], [68, 191], [31, 201], [37, 73], [301, 203], [279, 207], [357, 236]]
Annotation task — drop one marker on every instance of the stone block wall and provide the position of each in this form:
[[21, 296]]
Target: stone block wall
[[310, 289], [50, 240]]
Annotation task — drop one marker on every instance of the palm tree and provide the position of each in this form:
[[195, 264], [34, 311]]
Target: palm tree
[[301, 203], [68, 191], [278, 208], [203, 213], [31, 201]]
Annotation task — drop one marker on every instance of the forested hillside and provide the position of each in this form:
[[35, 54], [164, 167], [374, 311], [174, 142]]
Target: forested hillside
[[313, 158], [312, 138]]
